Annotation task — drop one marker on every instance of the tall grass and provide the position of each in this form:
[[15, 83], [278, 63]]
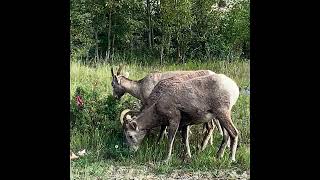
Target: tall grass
[[96, 127]]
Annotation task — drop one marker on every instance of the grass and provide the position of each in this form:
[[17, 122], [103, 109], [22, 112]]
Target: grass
[[97, 129]]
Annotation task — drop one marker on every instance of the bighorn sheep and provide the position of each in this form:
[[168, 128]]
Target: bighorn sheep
[[141, 89], [179, 102]]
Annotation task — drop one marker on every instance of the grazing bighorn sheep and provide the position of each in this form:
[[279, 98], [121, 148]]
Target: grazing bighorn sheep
[[179, 102], [141, 89]]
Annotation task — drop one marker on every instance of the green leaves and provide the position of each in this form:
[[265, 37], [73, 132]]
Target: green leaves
[[185, 28]]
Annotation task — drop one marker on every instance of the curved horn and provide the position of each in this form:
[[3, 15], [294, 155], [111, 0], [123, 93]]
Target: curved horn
[[128, 114], [124, 114]]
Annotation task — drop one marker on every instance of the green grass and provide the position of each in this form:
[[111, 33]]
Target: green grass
[[97, 129]]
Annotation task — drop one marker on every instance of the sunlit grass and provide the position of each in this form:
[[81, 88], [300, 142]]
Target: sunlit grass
[[106, 145]]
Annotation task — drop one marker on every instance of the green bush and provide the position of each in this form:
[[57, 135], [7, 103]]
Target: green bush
[[96, 112]]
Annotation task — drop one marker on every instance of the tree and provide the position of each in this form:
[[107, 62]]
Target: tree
[[174, 29]]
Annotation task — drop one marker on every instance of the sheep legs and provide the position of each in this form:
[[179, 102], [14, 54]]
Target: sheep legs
[[228, 130], [162, 131], [185, 140], [223, 144], [208, 131], [172, 130], [208, 135]]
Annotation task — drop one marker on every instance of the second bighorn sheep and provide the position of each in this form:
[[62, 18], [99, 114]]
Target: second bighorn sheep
[[179, 102]]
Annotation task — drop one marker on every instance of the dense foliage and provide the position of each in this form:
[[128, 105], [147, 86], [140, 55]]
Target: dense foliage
[[162, 30]]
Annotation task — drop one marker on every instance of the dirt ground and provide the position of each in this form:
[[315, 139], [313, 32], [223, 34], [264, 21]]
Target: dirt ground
[[145, 172]]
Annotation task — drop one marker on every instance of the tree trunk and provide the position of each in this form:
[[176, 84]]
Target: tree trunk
[[178, 50], [106, 57], [161, 50], [131, 48], [206, 49], [149, 23], [178, 53], [87, 58], [112, 48], [152, 34], [109, 37], [183, 54], [97, 45], [161, 55]]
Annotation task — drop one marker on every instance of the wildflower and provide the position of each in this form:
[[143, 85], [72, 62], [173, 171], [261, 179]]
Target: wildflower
[[81, 153], [116, 146], [73, 156], [79, 101]]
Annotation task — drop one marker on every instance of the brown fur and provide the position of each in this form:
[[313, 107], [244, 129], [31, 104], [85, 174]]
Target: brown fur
[[141, 89], [178, 102]]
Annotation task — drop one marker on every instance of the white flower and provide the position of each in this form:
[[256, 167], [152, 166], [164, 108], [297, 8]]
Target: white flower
[[116, 146], [81, 153], [73, 156]]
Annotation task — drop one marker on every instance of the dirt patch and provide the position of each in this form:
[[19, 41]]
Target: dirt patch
[[145, 172]]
